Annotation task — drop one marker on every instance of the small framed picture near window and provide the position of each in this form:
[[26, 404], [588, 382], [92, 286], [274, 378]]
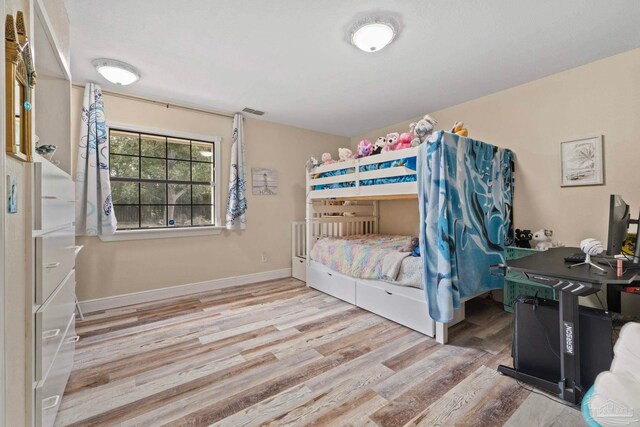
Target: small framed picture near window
[[265, 181], [582, 162]]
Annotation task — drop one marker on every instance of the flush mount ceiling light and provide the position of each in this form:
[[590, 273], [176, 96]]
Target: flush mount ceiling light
[[373, 34], [117, 72]]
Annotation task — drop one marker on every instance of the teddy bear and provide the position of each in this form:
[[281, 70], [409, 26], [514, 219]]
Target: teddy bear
[[392, 141], [523, 237], [345, 154], [459, 129], [422, 129], [381, 142], [326, 159], [543, 241], [365, 148]]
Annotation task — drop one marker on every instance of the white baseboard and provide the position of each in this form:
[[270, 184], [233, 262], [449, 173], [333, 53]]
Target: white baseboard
[[180, 290]]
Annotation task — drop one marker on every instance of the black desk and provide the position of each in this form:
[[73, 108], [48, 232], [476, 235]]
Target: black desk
[[548, 268]]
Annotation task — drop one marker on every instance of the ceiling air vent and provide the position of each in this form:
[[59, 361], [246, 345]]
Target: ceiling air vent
[[252, 111]]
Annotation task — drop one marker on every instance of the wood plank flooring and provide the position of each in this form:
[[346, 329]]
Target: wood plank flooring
[[279, 353]]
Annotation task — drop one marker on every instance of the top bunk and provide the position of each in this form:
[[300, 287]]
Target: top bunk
[[388, 175]]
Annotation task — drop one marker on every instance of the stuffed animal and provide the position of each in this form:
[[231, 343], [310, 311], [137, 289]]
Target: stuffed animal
[[381, 142], [404, 141], [345, 154], [422, 130], [365, 148], [459, 129], [409, 247], [326, 159], [392, 141], [543, 241], [312, 163], [523, 237]]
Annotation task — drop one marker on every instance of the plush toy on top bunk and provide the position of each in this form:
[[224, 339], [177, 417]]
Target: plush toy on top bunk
[[392, 141], [459, 129], [365, 148], [312, 163], [380, 144], [422, 130], [326, 159], [345, 154], [404, 141]]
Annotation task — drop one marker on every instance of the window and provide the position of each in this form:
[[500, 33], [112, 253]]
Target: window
[[162, 181]]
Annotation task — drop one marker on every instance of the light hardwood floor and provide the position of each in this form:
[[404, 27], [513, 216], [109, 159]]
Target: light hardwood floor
[[279, 353]]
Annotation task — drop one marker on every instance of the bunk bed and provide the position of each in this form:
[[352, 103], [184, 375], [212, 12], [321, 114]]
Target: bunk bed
[[343, 209]]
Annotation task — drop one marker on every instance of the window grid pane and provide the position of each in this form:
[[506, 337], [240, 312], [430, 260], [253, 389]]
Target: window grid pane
[[161, 181]]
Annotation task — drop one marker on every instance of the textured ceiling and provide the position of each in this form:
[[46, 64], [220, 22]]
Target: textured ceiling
[[292, 59]]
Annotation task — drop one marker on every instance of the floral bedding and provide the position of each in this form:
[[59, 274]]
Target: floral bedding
[[371, 256]]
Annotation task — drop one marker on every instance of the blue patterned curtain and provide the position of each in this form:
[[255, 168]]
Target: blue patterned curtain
[[94, 207], [465, 189], [236, 200]]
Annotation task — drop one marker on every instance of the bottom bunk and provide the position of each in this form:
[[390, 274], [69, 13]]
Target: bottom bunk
[[402, 304]]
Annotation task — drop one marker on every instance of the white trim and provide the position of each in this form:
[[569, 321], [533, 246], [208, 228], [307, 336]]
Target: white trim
[[164, 132], [161, 233], [180, 290]]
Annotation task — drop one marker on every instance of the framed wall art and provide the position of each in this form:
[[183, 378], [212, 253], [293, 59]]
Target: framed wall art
[[264, 181], [582, 162]]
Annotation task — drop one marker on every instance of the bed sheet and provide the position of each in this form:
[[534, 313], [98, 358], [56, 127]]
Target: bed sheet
[[371, 256]]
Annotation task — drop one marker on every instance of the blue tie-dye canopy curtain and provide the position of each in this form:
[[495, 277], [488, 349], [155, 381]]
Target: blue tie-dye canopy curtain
[[236, 200], [465, 189], [94, 207]]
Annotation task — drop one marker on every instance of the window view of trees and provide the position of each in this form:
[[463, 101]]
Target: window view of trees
[[161, 181]]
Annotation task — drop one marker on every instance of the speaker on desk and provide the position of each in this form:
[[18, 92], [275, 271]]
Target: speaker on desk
[[536, 340]]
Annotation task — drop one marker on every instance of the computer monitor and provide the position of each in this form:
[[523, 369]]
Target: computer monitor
[[619, 221], [619, 216]]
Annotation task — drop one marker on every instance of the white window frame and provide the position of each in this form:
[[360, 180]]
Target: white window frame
[[161, 233]]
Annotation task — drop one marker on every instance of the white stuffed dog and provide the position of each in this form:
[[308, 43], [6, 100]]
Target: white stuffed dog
[[543, 241]]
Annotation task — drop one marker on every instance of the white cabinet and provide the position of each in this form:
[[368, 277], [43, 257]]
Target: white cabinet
[[54, 288], [55, 257], [48, 393]]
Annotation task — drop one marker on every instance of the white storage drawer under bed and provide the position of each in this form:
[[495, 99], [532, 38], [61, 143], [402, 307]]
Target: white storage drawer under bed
[[328, 281], [55, 258], [299, 268], [51, 321], [395, 303], [49, 392]]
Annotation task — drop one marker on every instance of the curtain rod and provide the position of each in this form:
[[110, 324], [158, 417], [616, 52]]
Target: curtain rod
[[165, 104]]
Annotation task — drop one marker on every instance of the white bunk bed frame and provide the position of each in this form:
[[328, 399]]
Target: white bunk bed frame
[[359, 215]]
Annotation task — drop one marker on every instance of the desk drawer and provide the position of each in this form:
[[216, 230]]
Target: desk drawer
[[51, 321], [55, 258], [332, 283], [54, 197], [49, 392]]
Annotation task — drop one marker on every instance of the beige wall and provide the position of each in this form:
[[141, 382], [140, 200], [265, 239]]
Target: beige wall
[[114, 268], [16, 278], [600, 98]]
